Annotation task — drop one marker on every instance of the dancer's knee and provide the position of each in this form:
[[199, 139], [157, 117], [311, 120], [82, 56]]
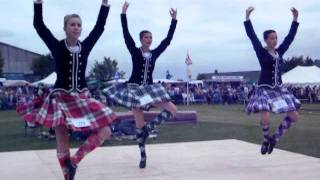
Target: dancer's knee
[[174, 110], [104, 133], [138, 116], [294, 116], [265, 118]]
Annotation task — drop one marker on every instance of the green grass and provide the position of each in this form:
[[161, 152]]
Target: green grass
[[215, 123]]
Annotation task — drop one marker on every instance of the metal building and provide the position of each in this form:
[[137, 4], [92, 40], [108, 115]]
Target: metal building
[[17, 62]]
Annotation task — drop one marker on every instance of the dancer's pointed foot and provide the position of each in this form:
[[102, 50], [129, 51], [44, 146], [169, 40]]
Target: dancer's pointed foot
[[264, 147], [71, 169], [273, 143], [143, 163]]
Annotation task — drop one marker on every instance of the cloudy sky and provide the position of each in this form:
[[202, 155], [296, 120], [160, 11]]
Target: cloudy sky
[[212, 30]]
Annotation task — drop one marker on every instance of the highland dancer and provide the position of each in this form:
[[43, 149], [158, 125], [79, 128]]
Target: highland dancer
[[68, 106], [271, 95], [140, 93]]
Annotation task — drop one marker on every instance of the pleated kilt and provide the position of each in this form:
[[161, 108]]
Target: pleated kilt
[[264, 98], [130, 95], [76, 110]]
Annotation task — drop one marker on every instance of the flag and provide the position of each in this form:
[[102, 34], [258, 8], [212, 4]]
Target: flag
[[188, 60], [117, 76]]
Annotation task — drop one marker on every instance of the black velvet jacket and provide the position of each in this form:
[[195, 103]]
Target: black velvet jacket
[[70, 67], [143, 67], [270, 75]]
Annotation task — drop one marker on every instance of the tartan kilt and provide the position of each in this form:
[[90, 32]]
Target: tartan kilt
[[63, 108], [263, 98], [25, 106], [129, 95]]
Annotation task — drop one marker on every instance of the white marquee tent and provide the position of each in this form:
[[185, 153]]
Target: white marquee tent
[[49, 80], [154, 81], [302, 75], [15, 83]]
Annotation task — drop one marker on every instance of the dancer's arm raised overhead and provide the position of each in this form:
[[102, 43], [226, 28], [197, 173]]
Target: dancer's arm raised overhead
[[99, 27], [131, 45], [250, 32], [292, 33], [166, 42], [42, 30]]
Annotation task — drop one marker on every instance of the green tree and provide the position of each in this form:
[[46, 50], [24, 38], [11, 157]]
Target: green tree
[[105, 70], [317, 63], [1, 65], [42, 66], [201, 76], [122, 74], [294, 61]]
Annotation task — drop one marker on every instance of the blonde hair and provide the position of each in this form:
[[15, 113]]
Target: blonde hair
[[68, 17]]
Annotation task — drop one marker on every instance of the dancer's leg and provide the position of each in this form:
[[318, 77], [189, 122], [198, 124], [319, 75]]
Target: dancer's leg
[[265, 126], [286, 123], [63, 148], [141, 135]]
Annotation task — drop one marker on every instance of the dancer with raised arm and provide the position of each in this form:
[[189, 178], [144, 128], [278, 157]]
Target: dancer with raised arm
[[140, 93], [271, 95], [68, 106]]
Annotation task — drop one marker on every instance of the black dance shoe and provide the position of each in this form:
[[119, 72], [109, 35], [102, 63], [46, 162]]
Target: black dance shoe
[[264, 147], [71, 169], [273, 143]]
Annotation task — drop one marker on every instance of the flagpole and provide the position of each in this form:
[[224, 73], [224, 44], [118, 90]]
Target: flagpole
[[188, 97], [188, 63]]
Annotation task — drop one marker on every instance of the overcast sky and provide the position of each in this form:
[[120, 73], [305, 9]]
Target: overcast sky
[[212, 30]]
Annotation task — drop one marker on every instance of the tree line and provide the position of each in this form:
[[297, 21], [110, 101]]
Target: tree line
[[288, 64], [106, 69]]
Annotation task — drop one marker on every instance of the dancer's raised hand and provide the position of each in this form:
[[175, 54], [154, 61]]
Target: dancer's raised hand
[[173, 13], [248, 12], [105, 2], [125, 7], [295, 13]]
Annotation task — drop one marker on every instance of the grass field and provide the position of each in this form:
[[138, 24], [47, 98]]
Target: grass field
[[215, 123]]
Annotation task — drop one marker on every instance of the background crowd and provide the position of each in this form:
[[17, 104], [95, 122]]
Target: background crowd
[[214, 94]]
